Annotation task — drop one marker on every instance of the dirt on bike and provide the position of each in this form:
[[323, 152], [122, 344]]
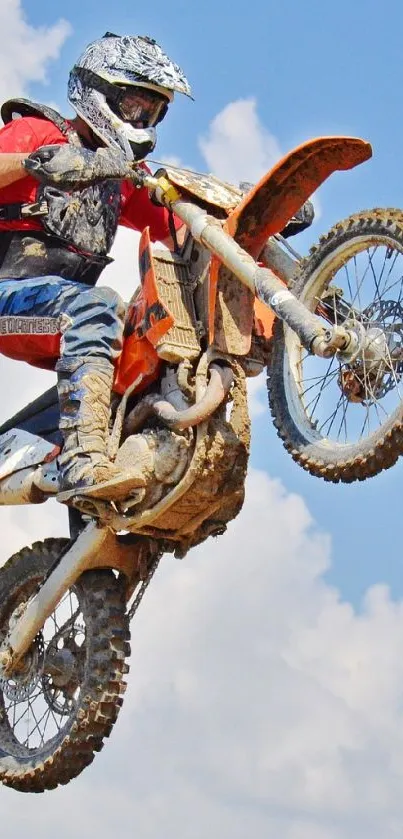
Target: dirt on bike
[[230, 303]]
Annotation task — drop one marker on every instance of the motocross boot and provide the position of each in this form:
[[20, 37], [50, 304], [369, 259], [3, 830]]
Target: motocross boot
[[84, 388]]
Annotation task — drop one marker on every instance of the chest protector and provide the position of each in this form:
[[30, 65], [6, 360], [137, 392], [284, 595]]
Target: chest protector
[[78, 228]]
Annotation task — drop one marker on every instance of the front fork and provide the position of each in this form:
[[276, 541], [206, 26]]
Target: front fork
[[267, 287], [262, 282], [24, 629]]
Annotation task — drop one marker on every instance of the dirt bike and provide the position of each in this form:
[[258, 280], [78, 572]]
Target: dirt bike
[[231, 302]]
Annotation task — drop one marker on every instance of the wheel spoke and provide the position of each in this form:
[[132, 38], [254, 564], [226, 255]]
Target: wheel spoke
[[393, 263], [366, 422], [48, 712], [331, 376], [357, 295], [326, 381], [30, 711], [25, 711], [376, 282], [331, 418], [369, 274], [25, 714], [36, 727]]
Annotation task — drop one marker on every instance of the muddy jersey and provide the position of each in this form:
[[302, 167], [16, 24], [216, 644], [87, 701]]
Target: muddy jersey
[[99, 208]]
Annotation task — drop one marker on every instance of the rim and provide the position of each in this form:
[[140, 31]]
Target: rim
[[345, 403], [38, 703]]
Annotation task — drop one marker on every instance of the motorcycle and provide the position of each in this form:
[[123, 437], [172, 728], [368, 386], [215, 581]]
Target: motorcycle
[[227, 304]]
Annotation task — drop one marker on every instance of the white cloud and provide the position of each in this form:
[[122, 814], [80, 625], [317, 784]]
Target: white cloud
[[123, 273], [259, 704], [24, 57], [257, 395], [168, 160], [25, 50], [237, 147]]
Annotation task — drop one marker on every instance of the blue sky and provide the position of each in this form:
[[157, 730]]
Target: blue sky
[[267, 681], [313, 68]]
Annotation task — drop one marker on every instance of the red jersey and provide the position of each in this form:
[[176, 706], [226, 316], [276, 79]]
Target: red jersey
[[26, 134]]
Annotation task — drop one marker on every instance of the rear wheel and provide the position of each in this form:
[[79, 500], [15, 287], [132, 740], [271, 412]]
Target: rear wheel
[[62, 702], [343, 421]]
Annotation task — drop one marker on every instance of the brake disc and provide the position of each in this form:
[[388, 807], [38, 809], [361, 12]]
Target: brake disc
[[22, 683]]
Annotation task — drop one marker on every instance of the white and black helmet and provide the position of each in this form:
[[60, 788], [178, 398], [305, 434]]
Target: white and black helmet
[[121, 87]]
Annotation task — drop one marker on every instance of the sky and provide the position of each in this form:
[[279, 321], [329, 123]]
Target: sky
[[266, 689]]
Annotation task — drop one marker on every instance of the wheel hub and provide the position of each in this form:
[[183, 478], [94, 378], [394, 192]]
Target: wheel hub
[[60, 665], [63, 667], [374, 367]]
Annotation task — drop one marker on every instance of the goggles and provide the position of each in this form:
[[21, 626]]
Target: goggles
[[141, 107], [131, 103]]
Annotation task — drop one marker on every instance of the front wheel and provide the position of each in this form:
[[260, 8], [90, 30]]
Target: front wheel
[[343, 421], [64, 699]]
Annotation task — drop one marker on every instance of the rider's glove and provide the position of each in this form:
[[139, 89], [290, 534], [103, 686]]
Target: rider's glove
[[71, 167]]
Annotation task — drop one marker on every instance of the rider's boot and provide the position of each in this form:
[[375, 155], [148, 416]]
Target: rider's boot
[[84, 389]]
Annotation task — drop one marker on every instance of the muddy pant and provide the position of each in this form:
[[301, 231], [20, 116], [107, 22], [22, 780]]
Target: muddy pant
[[45, 318]]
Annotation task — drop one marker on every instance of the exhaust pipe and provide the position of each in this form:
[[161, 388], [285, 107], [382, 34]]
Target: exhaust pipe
[[221, 379]]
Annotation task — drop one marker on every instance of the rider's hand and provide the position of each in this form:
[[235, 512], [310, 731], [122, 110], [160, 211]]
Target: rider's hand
[[72, 167]]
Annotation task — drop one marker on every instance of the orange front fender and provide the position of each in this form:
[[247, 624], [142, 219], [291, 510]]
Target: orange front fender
[[272, 202], [267, 208]]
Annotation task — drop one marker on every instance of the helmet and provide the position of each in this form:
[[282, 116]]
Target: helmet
[[121, 87]]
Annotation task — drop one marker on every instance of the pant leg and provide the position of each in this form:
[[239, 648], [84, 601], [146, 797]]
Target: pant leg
[[44, 318]]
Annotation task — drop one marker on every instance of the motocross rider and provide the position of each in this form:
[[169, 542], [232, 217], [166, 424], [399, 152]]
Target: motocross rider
[[64, 189]]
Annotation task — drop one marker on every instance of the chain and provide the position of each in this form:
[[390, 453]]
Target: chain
[[143, 588]]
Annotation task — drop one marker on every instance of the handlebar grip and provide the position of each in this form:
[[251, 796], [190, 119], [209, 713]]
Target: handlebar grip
[[138, 175]]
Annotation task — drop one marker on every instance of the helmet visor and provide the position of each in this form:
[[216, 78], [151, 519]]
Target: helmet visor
[[141, 107]]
